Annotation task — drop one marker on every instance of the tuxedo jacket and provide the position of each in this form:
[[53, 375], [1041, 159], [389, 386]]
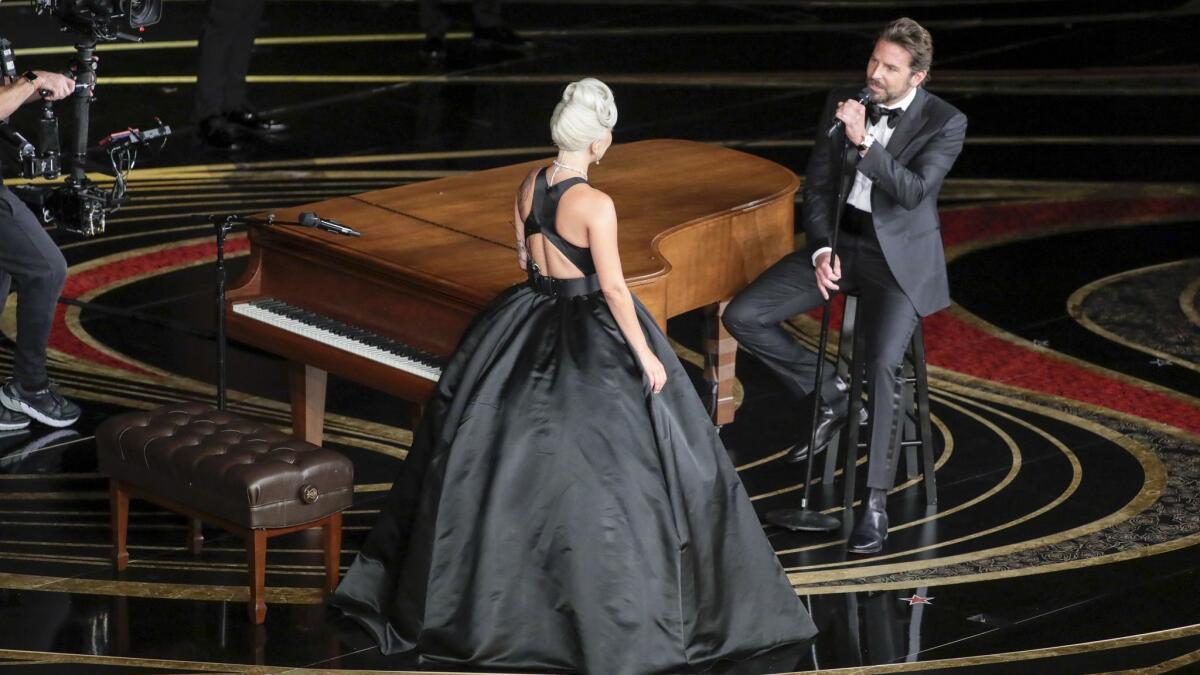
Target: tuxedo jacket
[[906, 177]]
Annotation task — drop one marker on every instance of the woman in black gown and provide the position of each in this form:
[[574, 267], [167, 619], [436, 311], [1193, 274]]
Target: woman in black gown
[[567, 504]]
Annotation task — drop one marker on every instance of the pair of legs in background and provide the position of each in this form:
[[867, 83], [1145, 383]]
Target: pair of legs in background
[[31, 259], [488, 28], [886, 318], [222, 110]]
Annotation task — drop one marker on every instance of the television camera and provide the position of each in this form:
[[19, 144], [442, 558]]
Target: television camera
[[78, 204]]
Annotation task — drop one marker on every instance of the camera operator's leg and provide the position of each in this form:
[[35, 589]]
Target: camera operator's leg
[[29, 256], [10, 420]]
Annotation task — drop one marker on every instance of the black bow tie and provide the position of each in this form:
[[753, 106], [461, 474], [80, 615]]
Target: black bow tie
[[877, 111]]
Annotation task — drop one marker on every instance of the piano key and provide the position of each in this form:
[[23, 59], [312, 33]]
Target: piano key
[[341, 336]]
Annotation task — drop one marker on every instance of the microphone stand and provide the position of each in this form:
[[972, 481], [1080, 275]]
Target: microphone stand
[[223, 226], [804, 518]]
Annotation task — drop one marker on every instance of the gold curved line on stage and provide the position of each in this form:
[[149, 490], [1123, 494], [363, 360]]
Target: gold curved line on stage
[[1011, 475], [239, 169], [962, 82], [192, 196], [215, 184], [993, 330], [1072, 487], [1075, 310], [1140, 501], [962, 314], [959, 662], [1168, 666], [135, 235], [1188, 302], [838, 472], [1026, 655], [263, 202], [142, 589], [1156, 478], [947, 452]]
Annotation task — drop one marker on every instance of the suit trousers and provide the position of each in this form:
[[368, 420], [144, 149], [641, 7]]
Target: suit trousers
[[434, 21], [31, 258], [886, 318], [226, 42]]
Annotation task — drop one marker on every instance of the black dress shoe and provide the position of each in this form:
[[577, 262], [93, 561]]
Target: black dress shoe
[[870, 533], [829, 422], [433, 49], [217, 134], [251, 121], [501, 37]]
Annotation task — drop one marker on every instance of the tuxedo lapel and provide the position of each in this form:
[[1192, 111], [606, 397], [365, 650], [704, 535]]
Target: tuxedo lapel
[[910, 123]]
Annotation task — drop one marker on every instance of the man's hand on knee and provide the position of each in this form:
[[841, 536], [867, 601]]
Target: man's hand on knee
[[827, 275]]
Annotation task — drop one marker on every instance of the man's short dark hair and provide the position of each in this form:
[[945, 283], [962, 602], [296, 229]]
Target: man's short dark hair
[[914, 38]]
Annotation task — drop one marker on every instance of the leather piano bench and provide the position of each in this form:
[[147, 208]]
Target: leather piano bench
[[216, 467]]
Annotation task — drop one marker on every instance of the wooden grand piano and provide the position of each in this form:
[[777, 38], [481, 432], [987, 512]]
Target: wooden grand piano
[[697, 223]]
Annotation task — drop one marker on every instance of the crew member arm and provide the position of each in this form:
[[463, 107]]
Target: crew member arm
[[14, 94]]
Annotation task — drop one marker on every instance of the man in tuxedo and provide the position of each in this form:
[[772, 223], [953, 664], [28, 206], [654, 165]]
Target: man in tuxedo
[[902, 144], [30, 257]]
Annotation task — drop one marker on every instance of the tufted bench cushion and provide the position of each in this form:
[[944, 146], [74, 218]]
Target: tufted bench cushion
[[216, 467], [219, 463]]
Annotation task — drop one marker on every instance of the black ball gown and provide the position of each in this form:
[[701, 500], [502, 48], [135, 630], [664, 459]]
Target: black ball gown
[[555, 514]]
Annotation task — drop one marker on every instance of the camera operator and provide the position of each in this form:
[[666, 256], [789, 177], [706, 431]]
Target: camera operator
[[28, 255]]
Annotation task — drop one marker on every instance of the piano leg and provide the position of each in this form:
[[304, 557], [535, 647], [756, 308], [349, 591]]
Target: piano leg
[[307, 386], [720, 354]]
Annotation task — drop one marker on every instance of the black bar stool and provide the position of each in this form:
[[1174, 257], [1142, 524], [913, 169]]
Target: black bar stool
[[916, 431]]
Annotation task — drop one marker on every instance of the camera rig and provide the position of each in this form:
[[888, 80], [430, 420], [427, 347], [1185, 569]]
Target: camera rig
[[78, 204]]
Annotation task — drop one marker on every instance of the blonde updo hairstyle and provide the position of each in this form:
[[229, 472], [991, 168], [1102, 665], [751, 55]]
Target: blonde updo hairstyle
[[587, 110]]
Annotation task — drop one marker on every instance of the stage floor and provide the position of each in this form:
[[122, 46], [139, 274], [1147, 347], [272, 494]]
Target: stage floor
[[1066, 394]]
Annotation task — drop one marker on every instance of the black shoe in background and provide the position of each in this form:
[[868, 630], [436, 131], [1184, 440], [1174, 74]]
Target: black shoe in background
[[830, 420], [217, 134], [433, 49], [44, 405], [250, 120], [501, 37]]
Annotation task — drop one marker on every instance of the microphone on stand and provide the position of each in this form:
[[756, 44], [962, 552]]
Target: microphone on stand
[[864, 97], [310, 219]]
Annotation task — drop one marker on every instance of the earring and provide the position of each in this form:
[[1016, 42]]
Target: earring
[[597, 161]]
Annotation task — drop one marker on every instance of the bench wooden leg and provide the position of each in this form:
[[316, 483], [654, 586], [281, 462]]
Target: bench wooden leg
[[332, 536], [256, 555], [119, 513], [195, 535]]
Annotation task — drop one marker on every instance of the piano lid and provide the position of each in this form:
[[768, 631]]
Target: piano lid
[[456, 233]]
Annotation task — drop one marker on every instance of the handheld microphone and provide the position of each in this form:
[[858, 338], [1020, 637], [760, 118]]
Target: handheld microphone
[[864, 97], [310, 219]]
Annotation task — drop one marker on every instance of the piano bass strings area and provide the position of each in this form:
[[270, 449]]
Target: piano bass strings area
[[697, 223]]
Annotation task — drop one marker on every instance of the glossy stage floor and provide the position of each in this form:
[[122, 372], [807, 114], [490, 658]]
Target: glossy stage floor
[[1065, 376]]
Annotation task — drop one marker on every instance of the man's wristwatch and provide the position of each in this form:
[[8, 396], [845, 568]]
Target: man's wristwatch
[[30, 76], [866, 143]]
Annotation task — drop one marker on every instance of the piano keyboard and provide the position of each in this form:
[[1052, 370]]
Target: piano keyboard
[[342, 336]]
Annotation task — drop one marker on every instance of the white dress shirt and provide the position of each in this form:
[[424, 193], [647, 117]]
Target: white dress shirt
[[881, 133]]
